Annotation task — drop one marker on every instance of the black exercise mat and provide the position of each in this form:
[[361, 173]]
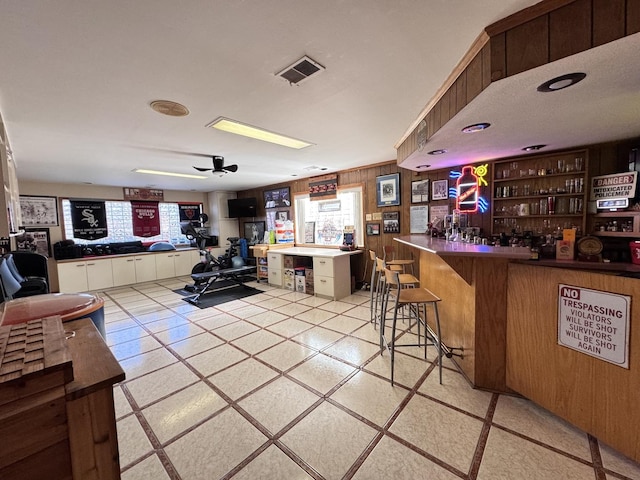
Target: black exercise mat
[[221, 294]]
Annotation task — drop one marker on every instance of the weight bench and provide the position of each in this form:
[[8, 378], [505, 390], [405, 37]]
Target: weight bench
[[205, 282]]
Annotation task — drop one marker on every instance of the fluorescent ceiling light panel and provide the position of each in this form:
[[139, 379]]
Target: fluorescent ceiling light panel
[[168, 174], [243, 129]]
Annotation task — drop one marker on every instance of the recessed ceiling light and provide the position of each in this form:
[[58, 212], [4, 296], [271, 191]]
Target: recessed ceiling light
[[563, 81], [169, 174], [476, 127], [167, 107], [232, 126], [437, 152], [533, 148], [423, 166]]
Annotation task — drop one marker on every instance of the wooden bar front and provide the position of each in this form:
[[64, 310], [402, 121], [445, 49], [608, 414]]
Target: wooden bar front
[[596, 396], [471, 280]]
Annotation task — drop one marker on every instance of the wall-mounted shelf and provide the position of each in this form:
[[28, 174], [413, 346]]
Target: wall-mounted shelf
[[609, 217]]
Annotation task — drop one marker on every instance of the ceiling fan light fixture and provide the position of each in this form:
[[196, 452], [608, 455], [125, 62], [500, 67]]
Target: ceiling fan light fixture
[[563, 81], [167, 107], [476, 127], [233, 126], [168, 174]]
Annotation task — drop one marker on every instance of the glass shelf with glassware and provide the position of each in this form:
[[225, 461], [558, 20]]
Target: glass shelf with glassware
[[615, 224]]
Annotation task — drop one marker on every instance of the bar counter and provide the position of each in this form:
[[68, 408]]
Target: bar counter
[[471, 280], [505, 313]]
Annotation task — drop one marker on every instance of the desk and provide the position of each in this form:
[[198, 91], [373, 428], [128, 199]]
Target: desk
[[331, 269]]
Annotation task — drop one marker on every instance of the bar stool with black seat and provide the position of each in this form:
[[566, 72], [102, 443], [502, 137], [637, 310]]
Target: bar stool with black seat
[[406, 280], [417, 299]]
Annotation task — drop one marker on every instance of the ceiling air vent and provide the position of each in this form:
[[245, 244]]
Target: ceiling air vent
[[300, 70]]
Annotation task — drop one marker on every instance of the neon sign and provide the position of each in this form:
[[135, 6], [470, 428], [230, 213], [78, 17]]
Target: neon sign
[[467, 188]]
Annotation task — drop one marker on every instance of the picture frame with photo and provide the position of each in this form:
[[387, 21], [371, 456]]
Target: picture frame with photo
[[420, 191], [282, 215], [373, 229], [388, 190], [39, 211], [277, 198], [439, 190], [254, 232], [35, 240], [391, 222]]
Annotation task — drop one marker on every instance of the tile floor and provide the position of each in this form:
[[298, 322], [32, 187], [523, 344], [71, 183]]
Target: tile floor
[[282, 385]]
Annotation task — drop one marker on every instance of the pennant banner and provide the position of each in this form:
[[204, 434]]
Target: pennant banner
[[323, 188], [89, 219], [189, 212], [146, 218]]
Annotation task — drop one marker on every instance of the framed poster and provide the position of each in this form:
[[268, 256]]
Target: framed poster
[[391, 222], [440, 190], [388, 190], [254, 232], [34, 240], [39, 211], [420, 191], [310, 232], [373, 229], [277, 198], [282, 215], [419, 219]]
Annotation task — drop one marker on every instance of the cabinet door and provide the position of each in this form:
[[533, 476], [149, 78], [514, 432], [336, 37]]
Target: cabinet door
[[323, 286], [99, 274], [182, 263], [145, 268], [275, 276], [164, 265], [323, 266], [124, 271], [275, 260], [72, 277]]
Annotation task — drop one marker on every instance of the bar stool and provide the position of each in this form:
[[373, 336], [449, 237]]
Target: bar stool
[[373, 290], [392, 263], [417, 299], [406, 280]]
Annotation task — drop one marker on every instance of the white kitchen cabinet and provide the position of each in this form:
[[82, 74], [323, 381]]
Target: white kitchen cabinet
[[184, 261], [165, 267], [94, 274], [145, 268], [124, 270]]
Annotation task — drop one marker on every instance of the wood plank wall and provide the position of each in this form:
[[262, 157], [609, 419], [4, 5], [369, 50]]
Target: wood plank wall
[[535, 36]]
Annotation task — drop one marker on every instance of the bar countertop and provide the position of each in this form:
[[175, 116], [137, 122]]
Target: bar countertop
[[444, 248]]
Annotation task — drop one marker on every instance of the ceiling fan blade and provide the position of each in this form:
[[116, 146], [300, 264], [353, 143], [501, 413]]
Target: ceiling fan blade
[[231, 168], [200, 169]]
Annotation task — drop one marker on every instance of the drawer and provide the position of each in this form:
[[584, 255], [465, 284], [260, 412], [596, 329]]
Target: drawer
[[323, 285], [323, 266], [275, 260], [275, 276]]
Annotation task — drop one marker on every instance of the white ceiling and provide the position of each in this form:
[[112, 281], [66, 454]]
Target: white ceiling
[[77, 77]]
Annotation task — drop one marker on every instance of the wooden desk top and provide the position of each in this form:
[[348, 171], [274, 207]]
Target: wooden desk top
[[94, 366]]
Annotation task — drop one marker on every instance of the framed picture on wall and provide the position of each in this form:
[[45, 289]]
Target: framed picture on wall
[[420, 191], [34, 240], [282, 215], [373, 229], [391, 222], [254, 232], [388, 190], [277, 198], [440, 190], [39, 211]]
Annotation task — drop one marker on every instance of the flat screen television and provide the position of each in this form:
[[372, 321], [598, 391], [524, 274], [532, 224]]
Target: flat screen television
[[242, 207]]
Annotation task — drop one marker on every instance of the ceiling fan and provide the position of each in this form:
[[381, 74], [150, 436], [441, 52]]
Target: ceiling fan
[[218, 166]]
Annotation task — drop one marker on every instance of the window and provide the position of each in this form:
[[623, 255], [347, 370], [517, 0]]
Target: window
[[120, 224], [322, 221]]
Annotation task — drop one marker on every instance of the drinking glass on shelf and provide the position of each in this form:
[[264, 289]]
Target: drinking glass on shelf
[[560, 166], [578, 162]]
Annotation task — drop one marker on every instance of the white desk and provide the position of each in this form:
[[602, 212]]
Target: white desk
[[331, 269]]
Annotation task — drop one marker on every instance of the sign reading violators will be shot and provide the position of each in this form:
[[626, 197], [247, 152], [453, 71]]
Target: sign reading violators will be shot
[[595, 323]]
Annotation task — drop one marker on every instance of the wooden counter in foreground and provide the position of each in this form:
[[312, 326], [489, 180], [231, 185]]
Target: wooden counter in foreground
[[471, 280]]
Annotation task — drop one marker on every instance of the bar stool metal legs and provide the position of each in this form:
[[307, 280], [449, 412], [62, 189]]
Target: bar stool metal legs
[[417, 299]]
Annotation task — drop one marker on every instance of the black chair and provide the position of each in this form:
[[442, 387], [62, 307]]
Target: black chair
[[26, 285]]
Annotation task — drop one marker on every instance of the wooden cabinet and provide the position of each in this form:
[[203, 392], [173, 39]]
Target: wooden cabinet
[[99, 274], [165, 267], [615, 224], [183, 261], [541, 193], [145, 268]]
